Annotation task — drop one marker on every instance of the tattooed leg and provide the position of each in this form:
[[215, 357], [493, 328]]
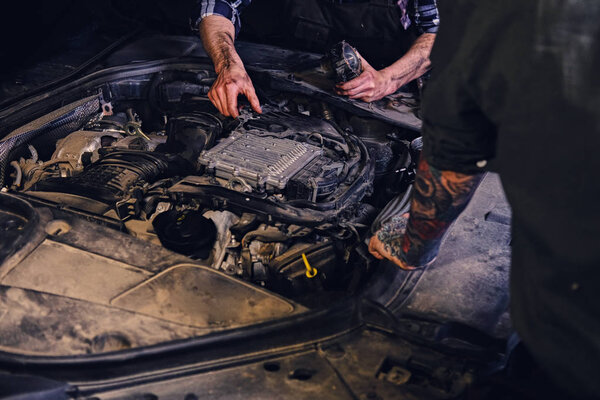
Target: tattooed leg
[[439, 198]]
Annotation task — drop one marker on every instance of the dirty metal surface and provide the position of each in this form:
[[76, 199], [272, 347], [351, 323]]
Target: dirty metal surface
[[34, 323], [261, 161], [63, 270], [200, 297], [87, 288]]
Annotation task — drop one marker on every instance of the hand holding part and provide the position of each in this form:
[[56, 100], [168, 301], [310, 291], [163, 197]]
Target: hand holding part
[[343, 62], [232, 81], [371, 85]]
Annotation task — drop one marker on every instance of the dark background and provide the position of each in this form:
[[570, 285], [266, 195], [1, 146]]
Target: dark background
[[44, 40], [33, 30]]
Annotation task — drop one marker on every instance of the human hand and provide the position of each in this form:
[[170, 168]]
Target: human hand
[[232, 81], [378, 249], [369, 86], [387, 241]]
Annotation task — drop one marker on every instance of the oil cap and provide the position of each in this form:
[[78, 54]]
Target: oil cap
[[186, 232]]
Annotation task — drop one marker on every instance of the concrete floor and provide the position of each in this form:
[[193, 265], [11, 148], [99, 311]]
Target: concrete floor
[[468, 282]]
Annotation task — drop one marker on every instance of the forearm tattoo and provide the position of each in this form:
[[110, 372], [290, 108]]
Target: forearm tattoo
[[415, 62], [224, 44], [439, 198], [218, 35]]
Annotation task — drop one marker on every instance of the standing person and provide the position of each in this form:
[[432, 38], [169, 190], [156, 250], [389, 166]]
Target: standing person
[[400, 33], [515, 84]]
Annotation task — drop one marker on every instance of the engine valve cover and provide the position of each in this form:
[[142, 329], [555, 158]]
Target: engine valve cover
[[263, 162]]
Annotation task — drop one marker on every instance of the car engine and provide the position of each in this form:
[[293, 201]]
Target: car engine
[[269, 197]]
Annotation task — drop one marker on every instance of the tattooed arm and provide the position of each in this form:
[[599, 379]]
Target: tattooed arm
[[373, 85], [217, 35], [439, 198]]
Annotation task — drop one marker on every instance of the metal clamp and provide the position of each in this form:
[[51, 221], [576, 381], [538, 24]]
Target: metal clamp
[[133, 126]]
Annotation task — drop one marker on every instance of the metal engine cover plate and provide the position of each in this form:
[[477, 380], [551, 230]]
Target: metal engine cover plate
[[263, 162]]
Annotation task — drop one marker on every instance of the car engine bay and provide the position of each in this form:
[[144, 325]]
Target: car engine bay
[[283, 199], [149, 239]]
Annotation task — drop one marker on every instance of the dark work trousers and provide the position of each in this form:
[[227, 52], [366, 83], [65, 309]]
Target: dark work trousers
[[516, 85], [372, 26]]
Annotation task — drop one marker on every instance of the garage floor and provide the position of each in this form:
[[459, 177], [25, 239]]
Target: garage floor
[[468, 282]]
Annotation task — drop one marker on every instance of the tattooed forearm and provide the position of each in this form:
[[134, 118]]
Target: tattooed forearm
[[414, 63], [218, 34], [224, 44], [439, 197]]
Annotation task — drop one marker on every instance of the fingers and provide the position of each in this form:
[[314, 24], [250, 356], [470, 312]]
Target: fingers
[[370, 86], [377, 255], [231, 101], [374, 245], [402, 265], [377, 249], [252, 98], [364, 94], [212, 99], [360, 93], [365, 85], [224, 97], [354, 83], [363, 78], [216, 97]]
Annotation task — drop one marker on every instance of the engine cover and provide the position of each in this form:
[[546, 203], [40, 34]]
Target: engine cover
[[261, 161]]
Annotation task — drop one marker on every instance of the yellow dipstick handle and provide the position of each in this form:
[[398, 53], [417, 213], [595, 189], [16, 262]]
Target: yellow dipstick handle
[[310, 271]]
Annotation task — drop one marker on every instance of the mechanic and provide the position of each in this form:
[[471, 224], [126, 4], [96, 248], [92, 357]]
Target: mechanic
[[515, 88], [387, 31]]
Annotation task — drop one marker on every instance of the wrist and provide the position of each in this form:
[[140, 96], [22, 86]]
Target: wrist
[[228, 64], [389, 83]]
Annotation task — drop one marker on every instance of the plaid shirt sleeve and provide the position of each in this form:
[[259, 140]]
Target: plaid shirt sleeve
[[426, 17], [229, 9]]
